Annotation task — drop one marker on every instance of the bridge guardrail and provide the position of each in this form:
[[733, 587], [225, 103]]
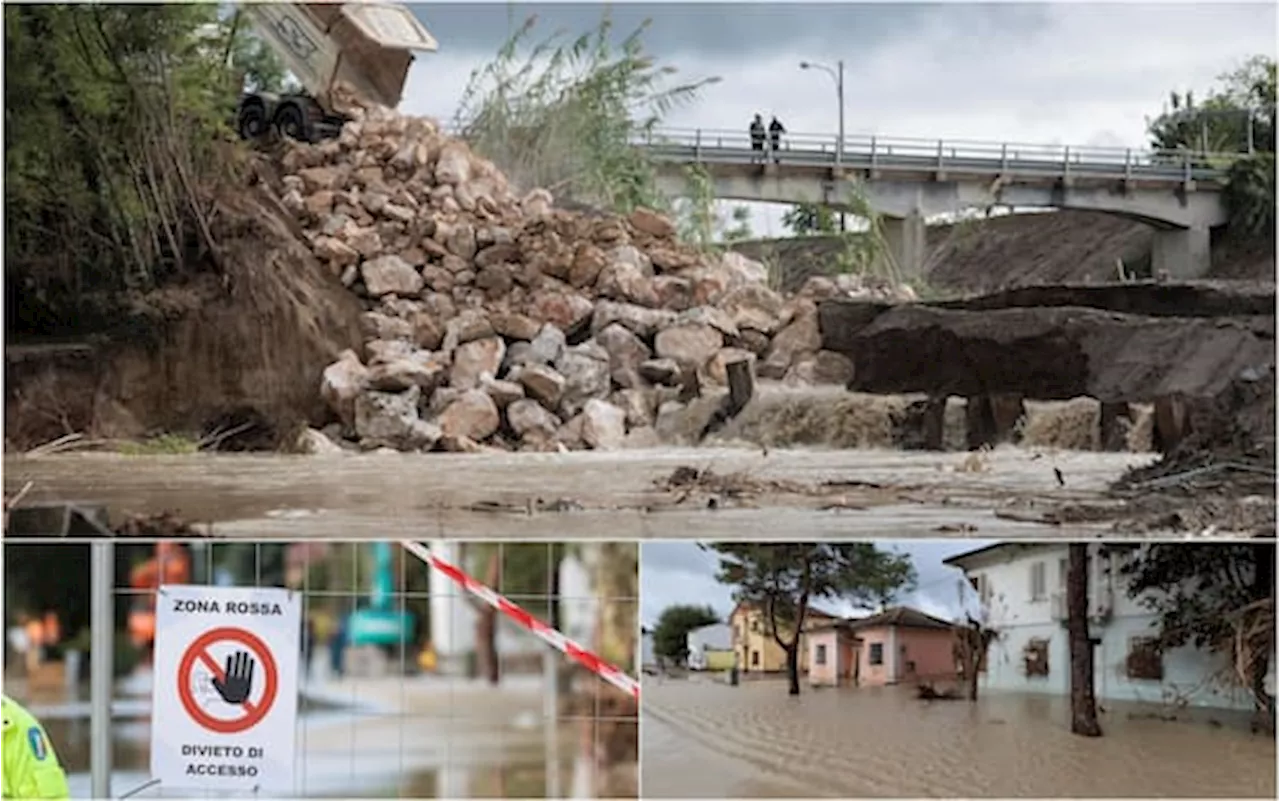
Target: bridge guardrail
[[905, 153]]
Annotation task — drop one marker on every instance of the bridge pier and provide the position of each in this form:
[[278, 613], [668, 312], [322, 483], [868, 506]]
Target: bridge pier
[[1181, 253], [905, 241]]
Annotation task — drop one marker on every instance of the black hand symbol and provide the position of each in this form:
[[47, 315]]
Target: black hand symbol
[[237, 679]]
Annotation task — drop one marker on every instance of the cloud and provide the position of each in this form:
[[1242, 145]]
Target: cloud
[[680, 573], [1069, 73]]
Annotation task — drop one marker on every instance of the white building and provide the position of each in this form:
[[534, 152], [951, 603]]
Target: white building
[[712, 638], [647, 658], [1022, 588]]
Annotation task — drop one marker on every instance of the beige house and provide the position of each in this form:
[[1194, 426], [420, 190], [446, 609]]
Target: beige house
[[755, 646]]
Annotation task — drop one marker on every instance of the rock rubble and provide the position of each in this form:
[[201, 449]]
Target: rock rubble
[[496, 320]]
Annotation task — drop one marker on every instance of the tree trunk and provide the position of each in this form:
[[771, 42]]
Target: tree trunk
[[793, 667], [1084, 709], [1264, 575]]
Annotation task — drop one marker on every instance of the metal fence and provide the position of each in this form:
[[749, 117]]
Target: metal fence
[[401, 705]]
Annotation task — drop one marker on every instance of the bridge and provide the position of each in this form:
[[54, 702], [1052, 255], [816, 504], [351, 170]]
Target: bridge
[[907, 180]]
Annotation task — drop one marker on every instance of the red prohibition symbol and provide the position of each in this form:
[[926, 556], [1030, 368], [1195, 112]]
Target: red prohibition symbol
[[198, 651]]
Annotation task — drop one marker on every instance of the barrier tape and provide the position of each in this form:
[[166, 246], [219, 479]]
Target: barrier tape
[[610, 673]]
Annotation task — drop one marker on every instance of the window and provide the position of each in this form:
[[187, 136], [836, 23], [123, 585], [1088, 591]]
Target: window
[[1145, 661], [1062, 575], [755, 659], [981, 586], [1037, 581], [1035, 657], [876, 655], [755, 625], [820, 655]]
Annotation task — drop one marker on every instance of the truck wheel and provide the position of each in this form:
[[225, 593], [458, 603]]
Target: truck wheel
[[253, 121], [291, 122]]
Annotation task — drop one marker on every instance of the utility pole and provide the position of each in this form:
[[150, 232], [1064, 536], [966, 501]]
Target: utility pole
[[838, 76]]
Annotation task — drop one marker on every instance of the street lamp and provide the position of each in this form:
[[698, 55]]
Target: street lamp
[[837, 75]]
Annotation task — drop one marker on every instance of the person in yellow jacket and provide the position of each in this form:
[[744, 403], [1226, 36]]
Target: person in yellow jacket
[[31, 768]]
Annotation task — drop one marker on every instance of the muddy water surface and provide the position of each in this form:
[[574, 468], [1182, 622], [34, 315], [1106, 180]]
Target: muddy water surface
[[704, 739], [793, 492]]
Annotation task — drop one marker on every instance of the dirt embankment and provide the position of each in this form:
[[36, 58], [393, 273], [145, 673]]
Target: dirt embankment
[[238, 346], [1024, 249]]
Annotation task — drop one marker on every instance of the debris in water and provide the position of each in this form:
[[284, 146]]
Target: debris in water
[[1058, 475]]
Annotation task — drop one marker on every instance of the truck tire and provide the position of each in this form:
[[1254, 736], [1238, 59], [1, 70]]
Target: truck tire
[[252, 122], [291, 122]]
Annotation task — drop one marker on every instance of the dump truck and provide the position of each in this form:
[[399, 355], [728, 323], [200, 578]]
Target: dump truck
[[366, 46]]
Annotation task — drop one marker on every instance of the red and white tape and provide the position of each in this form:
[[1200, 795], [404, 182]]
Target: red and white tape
[[542, 631]]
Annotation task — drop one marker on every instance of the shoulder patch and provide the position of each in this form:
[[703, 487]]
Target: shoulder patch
[[35, 738]]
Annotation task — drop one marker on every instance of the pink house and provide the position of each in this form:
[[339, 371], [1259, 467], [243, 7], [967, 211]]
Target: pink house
[[898, 645]]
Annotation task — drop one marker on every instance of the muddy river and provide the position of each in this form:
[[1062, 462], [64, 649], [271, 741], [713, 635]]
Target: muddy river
[[703, 739], [776, 493]]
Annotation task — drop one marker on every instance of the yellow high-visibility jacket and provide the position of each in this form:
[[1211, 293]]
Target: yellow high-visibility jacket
[[31, 768]]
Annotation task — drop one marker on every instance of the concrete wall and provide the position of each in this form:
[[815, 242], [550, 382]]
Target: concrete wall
[[1021, 615]]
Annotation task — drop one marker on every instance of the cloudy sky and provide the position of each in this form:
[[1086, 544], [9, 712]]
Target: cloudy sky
[[1065, 73], [682, 573]]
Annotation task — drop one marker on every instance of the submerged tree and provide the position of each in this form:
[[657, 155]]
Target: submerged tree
[[782, 579], [1084, 707], [1218, 597]]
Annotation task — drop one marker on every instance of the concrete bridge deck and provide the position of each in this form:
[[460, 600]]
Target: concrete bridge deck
[[907, 180]]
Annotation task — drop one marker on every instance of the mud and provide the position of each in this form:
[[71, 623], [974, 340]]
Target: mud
[[1024, 249], [802, 493], [704, 739]]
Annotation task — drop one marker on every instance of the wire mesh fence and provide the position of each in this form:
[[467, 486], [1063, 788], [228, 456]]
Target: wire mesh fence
[[408, 684]]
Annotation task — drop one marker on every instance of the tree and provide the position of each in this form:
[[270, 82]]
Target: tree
[[1219, 597], [1084, 708], [782, 579], [565, 117], [671, 634], [1236, 117], [807, 219]]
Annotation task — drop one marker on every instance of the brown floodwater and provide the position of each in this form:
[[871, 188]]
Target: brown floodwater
[[857, 492], [706, 739]]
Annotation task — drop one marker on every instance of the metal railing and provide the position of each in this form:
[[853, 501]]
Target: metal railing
[[958, 156], [373, 716]]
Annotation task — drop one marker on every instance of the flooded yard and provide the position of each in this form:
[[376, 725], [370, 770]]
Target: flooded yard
[[706, 739], [798, 493]]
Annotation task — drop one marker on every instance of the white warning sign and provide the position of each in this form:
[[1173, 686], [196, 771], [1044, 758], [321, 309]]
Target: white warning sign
[[225, 701]]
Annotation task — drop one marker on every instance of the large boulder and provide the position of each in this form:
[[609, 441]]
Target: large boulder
[[473, 415]]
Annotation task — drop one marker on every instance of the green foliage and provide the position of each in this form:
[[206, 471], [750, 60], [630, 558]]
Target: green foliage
[[1251, 194], [807, 219], [563, 115], [1201, 592], [114, 116], [699, 220], [671, 634], [783, 578], [525, 573], [1239, 112]]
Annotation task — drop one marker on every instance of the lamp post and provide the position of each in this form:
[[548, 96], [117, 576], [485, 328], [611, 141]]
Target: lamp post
[[837, 75]]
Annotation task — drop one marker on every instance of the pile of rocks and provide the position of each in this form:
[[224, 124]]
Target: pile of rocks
[[499, 320]]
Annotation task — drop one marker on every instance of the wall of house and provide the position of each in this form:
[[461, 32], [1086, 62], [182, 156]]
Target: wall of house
[[876, 639], [826, 673], [1021, 612], [932, 651], [718, 659], [707, 639], [751, 636]]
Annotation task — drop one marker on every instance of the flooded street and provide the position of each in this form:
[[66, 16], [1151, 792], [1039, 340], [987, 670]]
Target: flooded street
[[376, 738], [793, 492], [703, 739]]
